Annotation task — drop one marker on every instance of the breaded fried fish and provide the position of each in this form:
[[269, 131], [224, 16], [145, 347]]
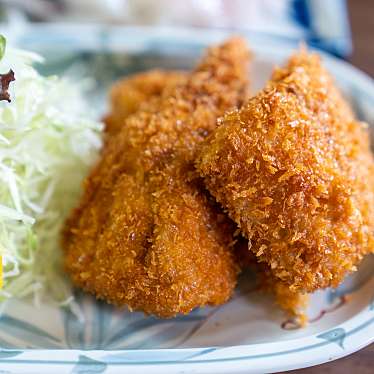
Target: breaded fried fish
[[293, 303], [146, 234], [130, 93], [294, 170]]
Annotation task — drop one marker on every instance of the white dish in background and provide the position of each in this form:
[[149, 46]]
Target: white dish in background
[[248, 334]]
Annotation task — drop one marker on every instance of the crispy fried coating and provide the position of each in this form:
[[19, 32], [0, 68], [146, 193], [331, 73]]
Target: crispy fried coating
[[146, 233], [293, 303], [294, 170], [130, 93]]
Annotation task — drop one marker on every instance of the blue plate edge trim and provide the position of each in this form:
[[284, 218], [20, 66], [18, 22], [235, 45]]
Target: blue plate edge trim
[[227, 359]]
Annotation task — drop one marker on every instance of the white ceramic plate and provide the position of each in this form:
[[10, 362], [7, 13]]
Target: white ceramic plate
[[248, 334]]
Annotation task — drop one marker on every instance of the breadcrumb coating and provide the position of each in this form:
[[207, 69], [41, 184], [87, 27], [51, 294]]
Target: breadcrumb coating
[[146, 234], [130, 93], [294, 170], [293, 303]]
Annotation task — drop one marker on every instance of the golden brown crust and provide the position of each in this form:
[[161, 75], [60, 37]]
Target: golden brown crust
[[146, 234], [294, 303], [294, 170], [130, 93]]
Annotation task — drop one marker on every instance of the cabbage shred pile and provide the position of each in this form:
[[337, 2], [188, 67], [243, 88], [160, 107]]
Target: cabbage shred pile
[[47, 145]]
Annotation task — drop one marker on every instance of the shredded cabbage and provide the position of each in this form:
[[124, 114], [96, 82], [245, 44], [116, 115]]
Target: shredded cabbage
[[47, 145]]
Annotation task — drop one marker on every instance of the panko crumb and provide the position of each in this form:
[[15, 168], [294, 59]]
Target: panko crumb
[[146, 233], [129, 94], [293, 168]]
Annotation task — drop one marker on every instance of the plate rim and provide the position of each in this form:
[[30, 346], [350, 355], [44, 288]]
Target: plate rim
[[99, 36]]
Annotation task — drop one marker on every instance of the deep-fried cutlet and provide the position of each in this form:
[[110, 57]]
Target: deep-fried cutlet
[[294, 170], [146, 234], [130, 93]]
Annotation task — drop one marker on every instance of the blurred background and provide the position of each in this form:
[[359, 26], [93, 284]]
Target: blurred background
[[330, 25], [342, 28]]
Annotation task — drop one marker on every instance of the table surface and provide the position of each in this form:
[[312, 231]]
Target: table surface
[[362, 23]]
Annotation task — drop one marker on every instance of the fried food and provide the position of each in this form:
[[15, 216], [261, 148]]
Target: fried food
[[294, 170], [293, 303], [130, 93], [146, 234]]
